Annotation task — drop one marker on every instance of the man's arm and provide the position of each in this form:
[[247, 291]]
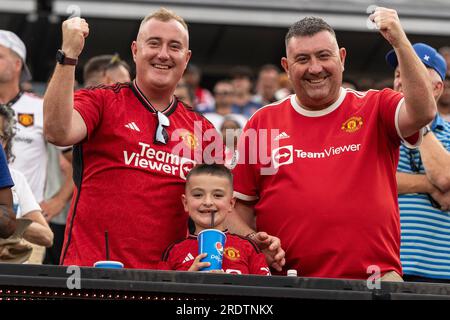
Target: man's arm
[[38, 232], [242, 221], [436, 160], [63, 125], [419, 183], [7, 216], [413, 183], [419, 108], [52, 207]]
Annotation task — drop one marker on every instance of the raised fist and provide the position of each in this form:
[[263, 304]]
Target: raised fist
[[387, 21], [74, 31]]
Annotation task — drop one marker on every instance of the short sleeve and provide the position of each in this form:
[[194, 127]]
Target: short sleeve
[[89, 104], [26, 200]]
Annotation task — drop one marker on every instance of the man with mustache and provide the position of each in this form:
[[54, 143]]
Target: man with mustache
[[326, 185]]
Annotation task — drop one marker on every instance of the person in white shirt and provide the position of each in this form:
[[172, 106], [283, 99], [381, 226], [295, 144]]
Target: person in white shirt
[[31, 223]]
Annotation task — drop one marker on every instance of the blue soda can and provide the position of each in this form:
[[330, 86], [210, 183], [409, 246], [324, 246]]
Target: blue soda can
[[212, 242]]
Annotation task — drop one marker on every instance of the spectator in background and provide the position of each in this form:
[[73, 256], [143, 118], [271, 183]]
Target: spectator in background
[[185, 93], [231, 129], [105, 69], [349, 84], [267, 84], [242, 80], [445, 52], [36, 230], [204, 101], [7, 216], [335, 213], [444, 101], [423, 178], [224, 97], [285, 86], [30, 145]]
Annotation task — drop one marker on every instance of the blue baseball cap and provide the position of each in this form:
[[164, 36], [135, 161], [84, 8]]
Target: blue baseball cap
[[428, 55]]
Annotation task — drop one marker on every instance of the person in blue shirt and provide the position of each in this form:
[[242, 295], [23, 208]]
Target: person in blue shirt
[[7, 216], [423, 178]]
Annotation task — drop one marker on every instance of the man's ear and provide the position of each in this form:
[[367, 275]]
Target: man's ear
[[232, 202], [134, 50], [342, 55], [184, 202], [438, 89], [285, 65]]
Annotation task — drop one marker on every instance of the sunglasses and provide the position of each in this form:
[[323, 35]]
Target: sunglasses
[[416, 168], [161, 135]]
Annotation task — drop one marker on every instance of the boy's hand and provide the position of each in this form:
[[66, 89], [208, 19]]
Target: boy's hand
[[197, 265], [271, 247]]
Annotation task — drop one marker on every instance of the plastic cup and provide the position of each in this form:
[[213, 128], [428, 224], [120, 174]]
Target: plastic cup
[[212, 242], [109, 264]]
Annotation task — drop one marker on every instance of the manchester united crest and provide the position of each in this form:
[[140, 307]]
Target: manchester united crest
[[189, 139], [353, 124], [232, 253], [26, 119]]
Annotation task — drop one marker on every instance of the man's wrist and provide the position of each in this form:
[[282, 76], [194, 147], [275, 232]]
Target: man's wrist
[[251, 235]]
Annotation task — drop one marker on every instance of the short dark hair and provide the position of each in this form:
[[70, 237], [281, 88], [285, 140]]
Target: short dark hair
[[307, 27], [214, 169], [269, 67], [241, 72], [96, 66], [9, 130]]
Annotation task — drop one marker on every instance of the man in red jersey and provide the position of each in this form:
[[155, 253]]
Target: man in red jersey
[[325, 181], [128, 176]]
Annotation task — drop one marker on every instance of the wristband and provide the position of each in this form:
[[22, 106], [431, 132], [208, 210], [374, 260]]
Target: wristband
[[251, 235]]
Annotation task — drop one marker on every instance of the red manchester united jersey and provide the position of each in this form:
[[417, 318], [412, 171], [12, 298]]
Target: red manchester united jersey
[[128, 183], [240, 256], [325, 182]]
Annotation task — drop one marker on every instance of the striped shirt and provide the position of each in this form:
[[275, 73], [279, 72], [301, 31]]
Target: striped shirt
[[425, 230]]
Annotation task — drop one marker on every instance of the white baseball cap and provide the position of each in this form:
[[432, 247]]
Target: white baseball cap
[[10, 40]]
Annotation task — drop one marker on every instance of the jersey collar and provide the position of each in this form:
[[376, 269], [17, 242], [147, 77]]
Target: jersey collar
[[13, 100], [148, 105], [319, 113]]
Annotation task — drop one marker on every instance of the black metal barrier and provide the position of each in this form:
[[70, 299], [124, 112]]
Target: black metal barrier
[[33, 282]]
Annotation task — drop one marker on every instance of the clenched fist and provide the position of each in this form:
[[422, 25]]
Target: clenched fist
[[74, 31], [388, 23]]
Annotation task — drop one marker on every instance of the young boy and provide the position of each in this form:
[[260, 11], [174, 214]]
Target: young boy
[[209, 190]]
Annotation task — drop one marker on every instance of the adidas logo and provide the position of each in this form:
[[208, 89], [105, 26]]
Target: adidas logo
[[132, 126], [189, 257], [282, 135]]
